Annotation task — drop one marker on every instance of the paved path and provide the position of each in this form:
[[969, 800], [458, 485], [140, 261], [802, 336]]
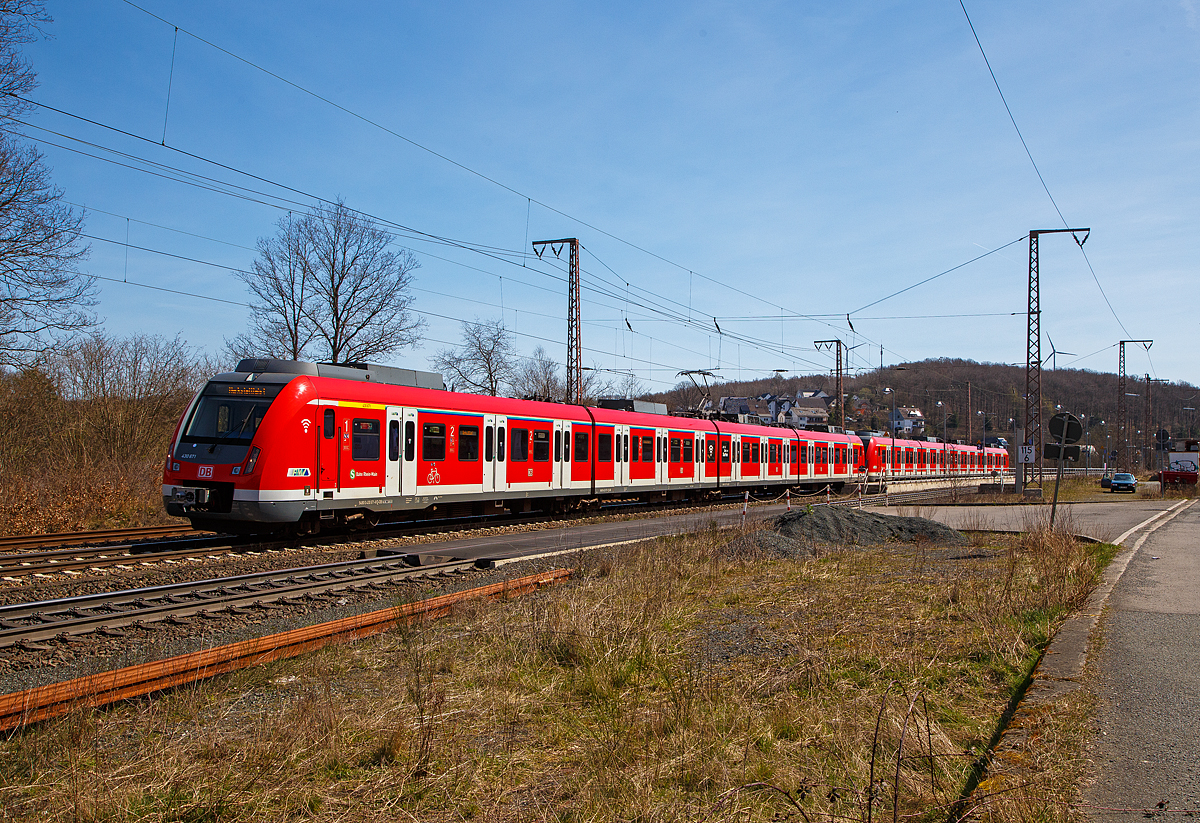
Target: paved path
[[1148, 748], [1104, 521]]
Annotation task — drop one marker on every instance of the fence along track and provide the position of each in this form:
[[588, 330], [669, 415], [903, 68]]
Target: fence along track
[[20, 709], [26, 623]]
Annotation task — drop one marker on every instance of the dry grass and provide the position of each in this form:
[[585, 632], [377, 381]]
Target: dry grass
[[667, 682], [86, 497]]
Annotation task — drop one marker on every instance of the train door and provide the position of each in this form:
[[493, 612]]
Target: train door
[[621, 455], [489, 453], [560, 477], [408, 456], [329, 436], [394, 441]]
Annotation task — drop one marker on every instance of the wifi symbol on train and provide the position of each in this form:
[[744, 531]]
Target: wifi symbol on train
[[305, 423]]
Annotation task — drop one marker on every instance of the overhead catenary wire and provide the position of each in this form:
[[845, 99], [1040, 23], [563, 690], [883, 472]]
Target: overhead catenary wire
[[1038, 171], [375, 124], [242, 192], [409, 233]]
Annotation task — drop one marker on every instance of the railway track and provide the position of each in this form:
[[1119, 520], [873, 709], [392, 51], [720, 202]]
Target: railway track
[[93, 557], [22, 542], [28, 623], [172, 547], [20, 709]]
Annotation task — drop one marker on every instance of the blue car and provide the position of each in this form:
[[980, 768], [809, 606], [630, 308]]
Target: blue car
[[1123, 482]]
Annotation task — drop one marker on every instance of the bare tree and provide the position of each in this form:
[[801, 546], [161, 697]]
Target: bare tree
[[279, 326], [537, 378], [329, 286], [43, 296], [483, 364], [629, 386], [124, 395]]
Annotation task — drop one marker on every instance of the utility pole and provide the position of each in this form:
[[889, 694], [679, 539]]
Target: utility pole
[[574, 340], [1122, 413], [1033, 356], [829, 344], [970, 416], [1153, 457], [1146, 458]]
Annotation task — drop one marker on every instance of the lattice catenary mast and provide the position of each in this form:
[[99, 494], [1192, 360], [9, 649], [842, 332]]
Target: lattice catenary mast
[[574, 338]]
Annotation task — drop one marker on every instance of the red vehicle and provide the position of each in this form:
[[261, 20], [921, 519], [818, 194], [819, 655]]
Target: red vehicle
[[1183, 465], [284, 443]]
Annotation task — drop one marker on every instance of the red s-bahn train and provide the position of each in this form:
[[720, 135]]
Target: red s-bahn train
[[285, 444]]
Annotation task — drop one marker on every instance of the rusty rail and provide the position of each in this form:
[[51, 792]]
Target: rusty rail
[[20, 709]]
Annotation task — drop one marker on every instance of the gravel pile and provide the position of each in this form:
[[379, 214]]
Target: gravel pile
[[800, 533]]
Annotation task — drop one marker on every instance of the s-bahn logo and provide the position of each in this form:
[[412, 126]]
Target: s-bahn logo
[[204, 471], [433, 478]]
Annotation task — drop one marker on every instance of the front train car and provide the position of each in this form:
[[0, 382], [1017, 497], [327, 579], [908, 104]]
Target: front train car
[[260, 421]]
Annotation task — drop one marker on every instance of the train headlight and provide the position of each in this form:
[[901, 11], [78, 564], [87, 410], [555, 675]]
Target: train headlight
[[253, 459]]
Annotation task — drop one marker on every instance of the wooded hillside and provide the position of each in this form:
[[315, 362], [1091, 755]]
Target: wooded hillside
[[996, 390]]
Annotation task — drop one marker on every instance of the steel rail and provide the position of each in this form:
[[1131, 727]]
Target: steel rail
[[114, 610], [23, 708], [100, 536], [24, 565]]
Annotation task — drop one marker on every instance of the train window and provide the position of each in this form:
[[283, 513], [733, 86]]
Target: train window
[[711, 451], [328, 424], [676, 454], [468, 443], [618, 453], [433, 442], [364, 440], [581, 447], [410, 440], [541, 446], [774, 457], [699, 451], [647, 444], [519, 445], [754, 452], [725, 452], [394, 440], [499, 444], [687, 450], [635, 452], [557, 446], [604, 448], [745, 452], [566, 447], [489, 443], [625, 446]]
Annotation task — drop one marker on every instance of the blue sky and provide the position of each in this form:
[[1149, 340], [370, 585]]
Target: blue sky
[[761, 163]]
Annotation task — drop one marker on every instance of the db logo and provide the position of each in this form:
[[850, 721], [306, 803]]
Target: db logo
[[433, 478], [204, 471]]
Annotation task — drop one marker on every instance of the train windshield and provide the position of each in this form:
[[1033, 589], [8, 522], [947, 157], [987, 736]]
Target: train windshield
[[229, 413]]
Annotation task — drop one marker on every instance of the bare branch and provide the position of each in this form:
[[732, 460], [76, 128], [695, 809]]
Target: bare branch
[[483, 364], [328, 287]]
